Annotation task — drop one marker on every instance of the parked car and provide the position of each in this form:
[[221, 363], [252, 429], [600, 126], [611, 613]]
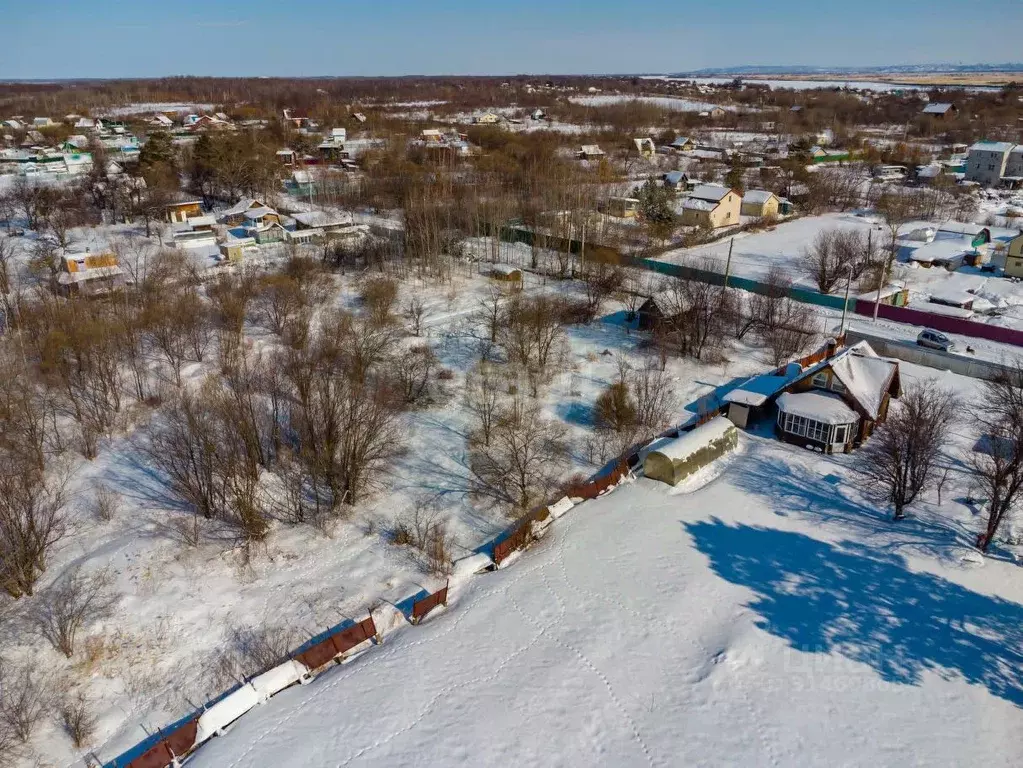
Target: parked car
[[935, 340]]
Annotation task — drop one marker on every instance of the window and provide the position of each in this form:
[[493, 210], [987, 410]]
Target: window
[[837, 385], [817, 431], [991, 167], [820, 380]]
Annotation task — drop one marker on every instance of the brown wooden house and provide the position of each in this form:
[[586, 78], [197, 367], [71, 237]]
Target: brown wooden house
[[836, 404]]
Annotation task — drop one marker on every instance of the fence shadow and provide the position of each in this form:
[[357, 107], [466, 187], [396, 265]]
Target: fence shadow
[[869, 607]]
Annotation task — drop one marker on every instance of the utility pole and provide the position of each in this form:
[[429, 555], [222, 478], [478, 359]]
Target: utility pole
[[728, 262], [845, 304]]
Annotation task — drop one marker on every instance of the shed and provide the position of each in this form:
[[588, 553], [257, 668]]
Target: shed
[[506, 273], [673, 460]]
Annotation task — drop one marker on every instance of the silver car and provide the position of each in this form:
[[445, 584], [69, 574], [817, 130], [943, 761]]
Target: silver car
[[935, 340]]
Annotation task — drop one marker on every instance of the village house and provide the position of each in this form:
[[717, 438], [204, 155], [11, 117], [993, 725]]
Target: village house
[[662, 307], [711, 205], [940, 111], [644, 146], [233, 249], [89, 274], [183, 210], [683, 144], [1014, 257], [678, 181], [760, 203], [249, 212], [623, 207], [590, 152], [322, 222], [832, 405], [716, 113], [986, 162], [487, 118], [819, 154]]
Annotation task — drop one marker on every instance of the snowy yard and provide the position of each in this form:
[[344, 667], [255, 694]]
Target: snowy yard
[[767, 614]]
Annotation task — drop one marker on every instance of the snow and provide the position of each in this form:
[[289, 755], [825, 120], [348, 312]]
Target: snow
[[712, 192], [688, 443], [275, 680], [863, 373], [226, 711], [665, 102], [772, 616], [825, 407], [694, 204], [757, 390]]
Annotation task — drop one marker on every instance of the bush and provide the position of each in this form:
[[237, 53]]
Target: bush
[[106, 503], [24, 699], [69, 605], [422, 529], [379, 295], [77, 718]]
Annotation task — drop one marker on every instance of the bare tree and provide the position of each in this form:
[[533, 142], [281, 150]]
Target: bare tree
[[821, 261], [483, 398], [423, 529], [998, 467], [413, 369], [73, 602], [533, 335], [902, 456], [523, 460], [656, 401], [789, 331], [601, 281], [379, 295], [78, 718], [24, 700], [32, 521], [413, 312]]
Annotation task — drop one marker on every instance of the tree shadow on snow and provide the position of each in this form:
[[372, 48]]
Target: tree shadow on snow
[[791, 488], [869, 607]]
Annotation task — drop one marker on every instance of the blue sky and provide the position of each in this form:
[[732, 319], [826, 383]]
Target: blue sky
[[146, 38]]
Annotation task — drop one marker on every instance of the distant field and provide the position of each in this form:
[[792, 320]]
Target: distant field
[[994, 79]]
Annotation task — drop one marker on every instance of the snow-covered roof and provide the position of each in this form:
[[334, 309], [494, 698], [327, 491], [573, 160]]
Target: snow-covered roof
[[699, 205], [992, 146], [943, 309], [962, 228], [322, 219], [66, 278], [952, 297], [757, 390], [713, 192], [940, 250], [688, 443], [757, 196], [681, 141], [937, 108], [865, 376], [591, 149], [825, 407], [258, 213], [675, 177], [504, 269], [240, 207]]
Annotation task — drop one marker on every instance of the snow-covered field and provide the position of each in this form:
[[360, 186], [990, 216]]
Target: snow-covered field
[[155, 106], [665, 102], [767, 613]]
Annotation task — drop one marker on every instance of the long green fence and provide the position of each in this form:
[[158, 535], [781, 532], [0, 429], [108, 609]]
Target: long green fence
[[597, 252]]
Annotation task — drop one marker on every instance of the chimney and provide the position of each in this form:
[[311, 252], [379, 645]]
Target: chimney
[[831, 346]]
